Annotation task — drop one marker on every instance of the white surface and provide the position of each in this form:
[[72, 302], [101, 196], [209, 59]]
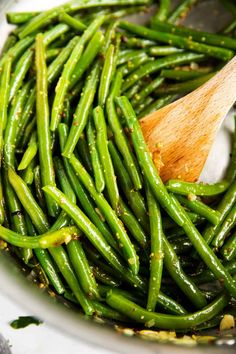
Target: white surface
[[42, 339]]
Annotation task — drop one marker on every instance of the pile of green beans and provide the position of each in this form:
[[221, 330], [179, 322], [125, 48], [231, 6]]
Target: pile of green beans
[[81, 201]]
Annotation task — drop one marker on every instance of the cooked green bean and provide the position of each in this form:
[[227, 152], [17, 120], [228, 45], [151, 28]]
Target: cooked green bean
[[95, 160], [227, 225], [184, 75], [106, 76], [91, 232], [105, 158], [42, 116], [64, 82], [229, 248], [115, 224], [134, 197], [224, 207], [201, 189], [195, 35], [47, 16], [163, 11], [157, 251], [4, 94], [157, 51], [17, 50], [178, 41], [83, 151], [181, 10], [82, 195], [158, 320], [183, 87], [200, 208], [29, 153], [207, 276], [119, 136], [92, 50], [72, 22], [50, 239], [16, 18], [158, 64], [82, 111]]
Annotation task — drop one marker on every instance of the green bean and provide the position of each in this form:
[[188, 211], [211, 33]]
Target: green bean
[[168, 202], [132, 224], [181, 10], [127, 55], [42, 116], [157, 51], [82, 269], [157, 65], [155, 105], [27, 200], [134, 197], [64, 82], [201, 209], [184, 75], [195, 35], [125, 12], [105, 158], [157, 251], [135, 63], [109, 214], [178, 41], [72, 22], [16, 18], [4, 94], [38, 187], [204, 251], [87, 58], [29, 153], [48, 16], [163, 321], [52, 54], [104, 277], [95, 160], [2, 202], [17, 50], [27, 115], [41, 223], [183, 87], [83, 152], [147, 104], [106, 76], [81, 194], [119, 136], [82, 111], [147, 90], [229, 28], [50, 239], [63, 179], [224, 207], [163, 11], [145, 159], [61, 259], [229, 248], [28, 173], [227, 225], [20, 72], [183, 281], [170, 305], [207, 276], [54, 69], [231, 171], [91, 232], [105, 311], [134, 42], [63, 220], [48, 266], [55, 32], [200, 189], [12, 125], [10, 42]]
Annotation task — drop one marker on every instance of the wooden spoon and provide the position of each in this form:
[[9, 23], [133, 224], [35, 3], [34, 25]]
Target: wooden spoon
[[180, 135]]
